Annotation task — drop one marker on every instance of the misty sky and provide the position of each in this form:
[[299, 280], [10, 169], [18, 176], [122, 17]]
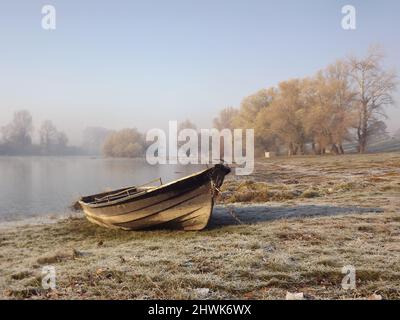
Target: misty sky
[[139, 64]]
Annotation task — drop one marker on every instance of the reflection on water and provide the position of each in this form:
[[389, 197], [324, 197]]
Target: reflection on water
[[34, 186]]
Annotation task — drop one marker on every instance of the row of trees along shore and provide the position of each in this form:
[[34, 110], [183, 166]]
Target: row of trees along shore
[[345, 102]]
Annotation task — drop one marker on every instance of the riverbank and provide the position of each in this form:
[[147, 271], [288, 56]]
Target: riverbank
[[300, 221]]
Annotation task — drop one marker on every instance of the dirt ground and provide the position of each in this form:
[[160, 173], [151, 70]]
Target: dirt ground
[[290, 227]]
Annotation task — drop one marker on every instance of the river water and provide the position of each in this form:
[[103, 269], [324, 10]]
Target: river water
[[47, 186]]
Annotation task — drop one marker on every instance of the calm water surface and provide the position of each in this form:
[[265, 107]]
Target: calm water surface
[[42, 186]]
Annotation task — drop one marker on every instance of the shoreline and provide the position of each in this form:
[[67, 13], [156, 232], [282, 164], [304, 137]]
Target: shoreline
[[37, 220]]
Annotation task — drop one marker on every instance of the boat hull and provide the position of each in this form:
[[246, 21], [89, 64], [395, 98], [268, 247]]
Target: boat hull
[[186, 204]]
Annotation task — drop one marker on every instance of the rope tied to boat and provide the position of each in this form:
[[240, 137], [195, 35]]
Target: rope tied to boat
[[232, 213], [230, 209]]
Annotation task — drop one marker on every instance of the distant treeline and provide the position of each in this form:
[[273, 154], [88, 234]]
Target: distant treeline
[[345, 102], [128, 142], [16, 138]]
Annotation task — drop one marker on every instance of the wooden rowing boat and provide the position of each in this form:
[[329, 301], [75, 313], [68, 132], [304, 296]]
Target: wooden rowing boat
[[184, 204]]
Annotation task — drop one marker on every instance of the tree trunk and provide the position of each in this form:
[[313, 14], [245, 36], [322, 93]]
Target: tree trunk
[[314, 149], [334, 149], [301, 149], [363, 131], [290, 149]]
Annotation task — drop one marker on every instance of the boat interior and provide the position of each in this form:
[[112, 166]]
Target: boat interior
[[115, 194]]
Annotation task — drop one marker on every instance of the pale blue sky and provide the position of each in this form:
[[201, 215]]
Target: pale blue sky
[[141, 63]]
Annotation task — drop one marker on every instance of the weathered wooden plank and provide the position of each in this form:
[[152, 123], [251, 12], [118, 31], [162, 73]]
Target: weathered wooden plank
[[185, 204]]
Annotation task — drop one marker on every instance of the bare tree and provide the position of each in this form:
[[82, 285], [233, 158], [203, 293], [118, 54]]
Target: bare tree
[[226, 118], [251, 106], [18, 133], [52, 140], [253, 114], [374, 87], [48, 134], [287, 113], [62, 140], [329, 115]]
